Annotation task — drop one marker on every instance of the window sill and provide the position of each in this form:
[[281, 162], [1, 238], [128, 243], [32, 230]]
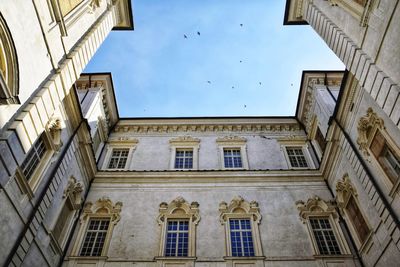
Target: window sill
[[340, 256], [179, 258], [244, 258], [88, 257]]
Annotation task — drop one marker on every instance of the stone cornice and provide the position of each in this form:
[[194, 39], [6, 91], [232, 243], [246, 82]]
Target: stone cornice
[[205, 126]]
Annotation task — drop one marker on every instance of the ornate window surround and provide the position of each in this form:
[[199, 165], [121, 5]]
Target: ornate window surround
[[356, 10], [179, 208], [52, 140], [103, 208], [315, 207], [72, 197], [344, 191], [368, 126], [9, 83], [184, 142], [241, 209], [121, 142], [233, 142]]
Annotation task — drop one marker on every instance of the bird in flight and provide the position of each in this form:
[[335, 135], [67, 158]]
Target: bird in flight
[[233, 87], [198, 33], [240, 61], [208, 81], [245, 106], [291, 84], [184, 36], [259, 83], [241, 24]]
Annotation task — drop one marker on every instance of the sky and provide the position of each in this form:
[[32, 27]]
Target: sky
[[237, 60]]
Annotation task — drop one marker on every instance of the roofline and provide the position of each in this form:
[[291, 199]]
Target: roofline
[[131, 28], [208, 118], [285, 17], [304, 72], [112, 87]]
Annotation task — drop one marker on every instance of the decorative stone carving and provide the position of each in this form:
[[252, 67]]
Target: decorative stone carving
[[178, 206], [103, 206], [54, 127], [231, 139], [93, 5], [315, 206], [239, 205], [365, 128], [184, 140], [73, 192], [344, 190]]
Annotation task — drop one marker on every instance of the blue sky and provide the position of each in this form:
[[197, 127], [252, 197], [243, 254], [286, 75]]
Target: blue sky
[[159, 73]]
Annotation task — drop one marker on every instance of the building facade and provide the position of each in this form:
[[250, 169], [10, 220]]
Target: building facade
[[81, 186]]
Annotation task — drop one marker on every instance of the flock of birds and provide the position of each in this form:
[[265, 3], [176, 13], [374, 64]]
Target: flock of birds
[[185, 36]]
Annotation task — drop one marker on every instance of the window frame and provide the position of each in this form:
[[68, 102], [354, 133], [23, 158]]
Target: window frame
[[367, 128], [119, 144], [304, 148], [317, 208], [102, 209], [184, 143], [391, 181], [241, 209], [178, 209], [233, 142], [344, 191], [73, 199]]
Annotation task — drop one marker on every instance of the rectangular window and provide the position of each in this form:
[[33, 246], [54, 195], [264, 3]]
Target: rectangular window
[[232, 158], [177, 241], [296, 157], [324, 236], [119, 158], [357, 219], [33, 158], [95, 237], [386, 158], [241, 237], [62, 222], [184, 159]]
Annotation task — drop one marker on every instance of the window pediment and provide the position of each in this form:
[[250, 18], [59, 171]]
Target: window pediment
[[315, 206], [231, 140], [366, 128], [103, 206], [344, 190], [184, 141], [239, 206], [179, 206], [73, 192]]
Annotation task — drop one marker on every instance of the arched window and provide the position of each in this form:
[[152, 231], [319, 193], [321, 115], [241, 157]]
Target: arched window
[[321, 219], [8, 67], [97, 223], [241, 220], [178, 233]]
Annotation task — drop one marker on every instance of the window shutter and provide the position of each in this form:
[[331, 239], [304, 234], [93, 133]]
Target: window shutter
[[377, 144]]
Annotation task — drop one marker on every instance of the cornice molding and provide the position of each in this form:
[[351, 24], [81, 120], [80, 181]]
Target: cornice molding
[[208, 127]]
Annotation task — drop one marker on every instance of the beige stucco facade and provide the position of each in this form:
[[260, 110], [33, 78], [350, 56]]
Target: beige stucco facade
[[69, 163]]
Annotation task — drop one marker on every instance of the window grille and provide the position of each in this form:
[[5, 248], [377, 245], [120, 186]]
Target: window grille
[[33, 158], [119, 158], [241, 237], [183, 159], [232, 158], [324, 236], [95, 237], [296, 157], [177, 241]]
